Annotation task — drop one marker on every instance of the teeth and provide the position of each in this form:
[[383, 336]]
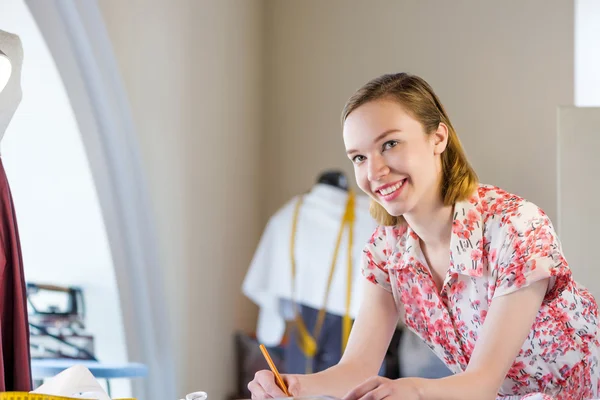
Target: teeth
[[391, 189]]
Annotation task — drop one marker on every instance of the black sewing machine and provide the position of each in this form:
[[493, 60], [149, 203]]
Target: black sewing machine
[[57, 323]]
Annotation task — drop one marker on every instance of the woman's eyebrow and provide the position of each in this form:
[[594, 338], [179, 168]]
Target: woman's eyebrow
[[377, 139]]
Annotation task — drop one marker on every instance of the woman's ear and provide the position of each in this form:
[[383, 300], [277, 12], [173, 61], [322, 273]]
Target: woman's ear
[[440, 139]]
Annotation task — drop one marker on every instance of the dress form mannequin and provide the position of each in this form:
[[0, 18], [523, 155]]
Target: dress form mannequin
[[5, 70], [11, 60], [15, 369]]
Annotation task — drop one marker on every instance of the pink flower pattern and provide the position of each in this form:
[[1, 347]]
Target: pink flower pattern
[[500, 243]]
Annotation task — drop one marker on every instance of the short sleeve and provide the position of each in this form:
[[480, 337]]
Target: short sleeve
[[531, 252], [375, 256]]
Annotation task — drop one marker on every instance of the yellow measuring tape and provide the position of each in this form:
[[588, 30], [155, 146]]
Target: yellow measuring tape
[[37, 396], [306, 341]]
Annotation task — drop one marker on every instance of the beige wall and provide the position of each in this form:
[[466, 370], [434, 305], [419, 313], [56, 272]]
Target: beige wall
[[500, 68], [193, 71], [230, 97]]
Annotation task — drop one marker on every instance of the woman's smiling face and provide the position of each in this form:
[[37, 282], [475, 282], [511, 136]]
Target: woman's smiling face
[[395, 161]]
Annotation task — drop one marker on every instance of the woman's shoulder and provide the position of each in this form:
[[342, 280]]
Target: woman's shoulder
[[500, 206]]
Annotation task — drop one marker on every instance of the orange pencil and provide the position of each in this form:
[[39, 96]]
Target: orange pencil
[[278, 378]]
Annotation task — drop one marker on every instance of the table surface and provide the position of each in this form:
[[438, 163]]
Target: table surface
[[48, 367]]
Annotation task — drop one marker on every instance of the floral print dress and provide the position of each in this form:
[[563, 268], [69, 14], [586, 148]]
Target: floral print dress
[[500, 243]]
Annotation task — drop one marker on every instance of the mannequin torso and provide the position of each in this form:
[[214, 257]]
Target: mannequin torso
[[15, 357], [10, 96], [5, 70]]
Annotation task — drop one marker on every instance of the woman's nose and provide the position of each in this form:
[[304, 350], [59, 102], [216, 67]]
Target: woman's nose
[[377, 169]]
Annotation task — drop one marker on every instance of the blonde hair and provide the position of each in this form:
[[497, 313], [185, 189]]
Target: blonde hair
[[459, 180]]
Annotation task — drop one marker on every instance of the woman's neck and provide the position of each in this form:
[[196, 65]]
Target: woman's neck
[[432, 222]]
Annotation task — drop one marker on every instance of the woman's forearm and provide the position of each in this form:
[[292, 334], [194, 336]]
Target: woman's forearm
[[366, 347], [335, 381], [463, 386]]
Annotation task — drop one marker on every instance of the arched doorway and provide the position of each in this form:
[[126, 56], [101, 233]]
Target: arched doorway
[[111, 188]]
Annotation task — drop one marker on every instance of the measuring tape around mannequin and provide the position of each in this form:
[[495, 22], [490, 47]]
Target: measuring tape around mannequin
[[307, 341]]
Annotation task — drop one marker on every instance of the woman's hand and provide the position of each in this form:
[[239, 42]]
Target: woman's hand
[[377, 388], [264, 386]]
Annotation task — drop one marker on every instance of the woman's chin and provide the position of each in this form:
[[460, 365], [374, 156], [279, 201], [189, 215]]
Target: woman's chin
[[395, 211]]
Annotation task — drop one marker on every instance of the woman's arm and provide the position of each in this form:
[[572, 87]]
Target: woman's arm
[[505, 329], [369, 340], [507, 325]]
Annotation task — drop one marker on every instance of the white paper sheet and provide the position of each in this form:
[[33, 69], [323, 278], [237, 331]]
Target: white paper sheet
[[76, 382]]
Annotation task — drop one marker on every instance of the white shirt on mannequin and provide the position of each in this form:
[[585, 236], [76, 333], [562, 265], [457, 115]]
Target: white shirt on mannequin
[[10, 93], [268, 280]]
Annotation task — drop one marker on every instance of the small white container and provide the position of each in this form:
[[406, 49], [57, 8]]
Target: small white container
[[196, 396]]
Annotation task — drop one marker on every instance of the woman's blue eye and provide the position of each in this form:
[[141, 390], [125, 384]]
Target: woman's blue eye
[[358, 159], [389, 144]]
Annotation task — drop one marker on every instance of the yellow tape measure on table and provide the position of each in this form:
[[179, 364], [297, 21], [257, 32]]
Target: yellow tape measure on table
[[37, 396]]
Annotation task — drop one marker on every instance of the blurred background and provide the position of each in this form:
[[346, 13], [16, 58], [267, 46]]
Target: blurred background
[[156, 139]]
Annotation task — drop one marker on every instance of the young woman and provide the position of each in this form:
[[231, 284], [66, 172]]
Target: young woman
[[476, 272]]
